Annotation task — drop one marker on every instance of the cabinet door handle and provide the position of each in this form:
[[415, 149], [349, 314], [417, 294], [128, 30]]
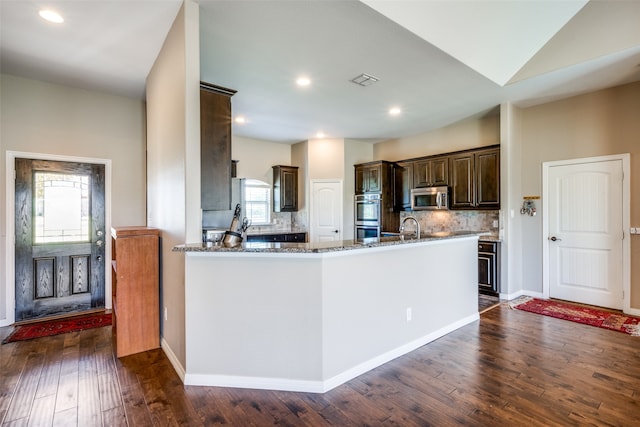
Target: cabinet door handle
[[336, 231]]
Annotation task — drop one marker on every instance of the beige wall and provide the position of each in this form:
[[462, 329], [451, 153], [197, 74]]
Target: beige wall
[[471, 133], [173, 190], [596, 124], [256, 157], [44, 118], [326, 159]]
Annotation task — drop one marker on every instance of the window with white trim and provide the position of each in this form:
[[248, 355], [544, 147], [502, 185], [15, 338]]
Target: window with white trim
[[256, 195]]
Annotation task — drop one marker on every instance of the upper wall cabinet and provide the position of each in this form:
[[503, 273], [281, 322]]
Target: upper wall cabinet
[[215, 147], [431, 172], [475, 179], [374, 177], [285, 188]]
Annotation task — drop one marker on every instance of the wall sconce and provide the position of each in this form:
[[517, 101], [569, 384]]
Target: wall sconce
[[529, 206]]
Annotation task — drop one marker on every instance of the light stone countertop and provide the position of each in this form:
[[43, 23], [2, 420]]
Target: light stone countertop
[[324, 247]]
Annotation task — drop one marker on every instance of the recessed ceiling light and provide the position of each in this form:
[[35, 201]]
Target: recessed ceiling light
[[303, 81], [51, 16], [320, 134], [240, 119], [395, 111]]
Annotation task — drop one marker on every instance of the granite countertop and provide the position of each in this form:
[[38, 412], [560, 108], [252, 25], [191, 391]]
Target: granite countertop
[[324, 247], [489, 238]]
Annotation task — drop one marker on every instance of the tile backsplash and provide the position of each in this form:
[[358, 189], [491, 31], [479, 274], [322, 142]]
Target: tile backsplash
[[431, 221]]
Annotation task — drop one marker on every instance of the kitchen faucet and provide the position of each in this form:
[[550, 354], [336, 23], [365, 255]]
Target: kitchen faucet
[[414, 220]]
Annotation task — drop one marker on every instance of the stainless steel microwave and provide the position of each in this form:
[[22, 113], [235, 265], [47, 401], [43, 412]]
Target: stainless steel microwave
[[429, 198]]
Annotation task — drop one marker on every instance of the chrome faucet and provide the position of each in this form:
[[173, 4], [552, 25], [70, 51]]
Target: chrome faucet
[[414, 220]]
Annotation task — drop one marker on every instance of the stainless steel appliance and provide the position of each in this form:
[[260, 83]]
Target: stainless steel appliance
[[429, 198], [367, 232], [368, 215]]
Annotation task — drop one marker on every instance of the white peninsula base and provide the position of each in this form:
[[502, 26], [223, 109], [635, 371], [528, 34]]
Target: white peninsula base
[[312, 321]]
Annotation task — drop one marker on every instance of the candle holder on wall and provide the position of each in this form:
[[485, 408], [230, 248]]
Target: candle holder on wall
[[529, 206]]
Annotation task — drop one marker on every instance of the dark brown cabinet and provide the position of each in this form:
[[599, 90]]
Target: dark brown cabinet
[[278, 237], [285, 188], [462, 182], [431, 172], [215, 147], [474, 177], [372, 177], [489, 267], [488, 178], [403, 183]]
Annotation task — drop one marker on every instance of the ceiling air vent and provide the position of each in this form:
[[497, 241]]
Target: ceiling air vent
[[364, 80]]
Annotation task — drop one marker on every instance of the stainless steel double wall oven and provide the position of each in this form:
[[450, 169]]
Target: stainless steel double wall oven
[[368, 215]]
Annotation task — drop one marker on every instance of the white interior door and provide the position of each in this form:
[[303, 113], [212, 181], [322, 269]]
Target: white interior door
[[586, 232], [326, 211]]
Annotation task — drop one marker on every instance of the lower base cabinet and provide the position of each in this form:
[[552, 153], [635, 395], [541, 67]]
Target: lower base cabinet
[[489, 267], [278, 237]]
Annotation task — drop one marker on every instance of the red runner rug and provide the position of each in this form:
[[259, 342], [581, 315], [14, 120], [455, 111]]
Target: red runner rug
[[59, 326], [587, 315]]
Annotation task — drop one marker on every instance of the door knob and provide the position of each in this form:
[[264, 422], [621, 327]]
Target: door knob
[[554, 238]]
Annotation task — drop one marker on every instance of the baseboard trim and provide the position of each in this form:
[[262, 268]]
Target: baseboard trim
[[173, 359], [282, 384]]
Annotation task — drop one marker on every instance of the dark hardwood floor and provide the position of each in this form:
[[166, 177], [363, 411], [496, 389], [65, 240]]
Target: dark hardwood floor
[[510, 368]]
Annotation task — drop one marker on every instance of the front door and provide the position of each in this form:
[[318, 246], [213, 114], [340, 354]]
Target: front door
[[326, 211], [586, 232], [59, 238]]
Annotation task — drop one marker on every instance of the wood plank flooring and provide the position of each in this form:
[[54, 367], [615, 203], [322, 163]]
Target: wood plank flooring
[[510, 368]]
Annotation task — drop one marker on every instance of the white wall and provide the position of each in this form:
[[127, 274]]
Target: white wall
[[326, 159], [173, 190], [39, 117], [511, 200], [344, 319], [299, 158], [595, 124], [470, 133], [256, 157]]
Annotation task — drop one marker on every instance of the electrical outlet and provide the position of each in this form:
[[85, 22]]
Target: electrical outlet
[[409, 314], [165, 313]]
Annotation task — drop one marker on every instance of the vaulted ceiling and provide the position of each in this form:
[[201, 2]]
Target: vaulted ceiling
[[438, 61]]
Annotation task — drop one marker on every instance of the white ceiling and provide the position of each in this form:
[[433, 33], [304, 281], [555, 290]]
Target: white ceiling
[[439, 61]]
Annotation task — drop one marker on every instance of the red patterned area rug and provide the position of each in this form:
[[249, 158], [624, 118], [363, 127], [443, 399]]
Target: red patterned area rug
[[592, 316], [59, 326]]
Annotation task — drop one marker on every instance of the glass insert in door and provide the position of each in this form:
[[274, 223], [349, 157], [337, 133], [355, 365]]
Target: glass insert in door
[[61, 208]]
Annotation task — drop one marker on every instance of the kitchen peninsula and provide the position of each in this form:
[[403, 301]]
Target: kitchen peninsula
[[311, 316]]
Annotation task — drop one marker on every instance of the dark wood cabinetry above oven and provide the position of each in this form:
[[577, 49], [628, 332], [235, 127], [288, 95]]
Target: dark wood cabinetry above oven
[[374, 177]]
